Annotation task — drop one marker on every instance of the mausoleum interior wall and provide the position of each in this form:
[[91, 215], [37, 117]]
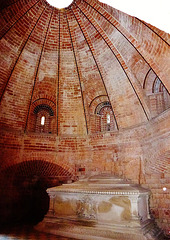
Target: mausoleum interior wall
[[64, 65], [140, 154]]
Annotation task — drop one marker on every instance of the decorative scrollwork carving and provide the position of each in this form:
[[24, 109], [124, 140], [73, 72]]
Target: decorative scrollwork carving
[[86, 208]]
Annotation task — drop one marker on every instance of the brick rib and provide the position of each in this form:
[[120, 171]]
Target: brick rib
[[37, 70], [153, 31], [78, 71], [33, 25], [92, 50], [119, 59], [16, 18], [129, 38], [58, 84], [144, 83]]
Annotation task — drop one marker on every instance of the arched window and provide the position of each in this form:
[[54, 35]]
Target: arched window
[[104, 117], [161, 97], [158, 95], [44, 115]]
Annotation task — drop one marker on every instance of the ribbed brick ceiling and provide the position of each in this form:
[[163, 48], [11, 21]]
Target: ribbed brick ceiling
[[73, 56]]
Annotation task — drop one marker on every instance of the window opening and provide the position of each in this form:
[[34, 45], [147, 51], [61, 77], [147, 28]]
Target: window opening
[[108, 122], [42, 120], [108, 118]]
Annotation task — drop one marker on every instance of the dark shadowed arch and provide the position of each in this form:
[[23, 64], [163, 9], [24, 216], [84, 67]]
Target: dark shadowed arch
[[30, 172], [23, 186]]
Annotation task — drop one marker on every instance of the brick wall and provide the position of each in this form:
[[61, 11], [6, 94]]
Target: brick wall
[[140, 154], [71, 61]]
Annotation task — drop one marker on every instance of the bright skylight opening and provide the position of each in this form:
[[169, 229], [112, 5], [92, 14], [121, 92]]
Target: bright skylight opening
[[60, 3], [155, 12]]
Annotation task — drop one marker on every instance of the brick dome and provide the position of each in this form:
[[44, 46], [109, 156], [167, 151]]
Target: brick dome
[[73, 56], [85, 88]]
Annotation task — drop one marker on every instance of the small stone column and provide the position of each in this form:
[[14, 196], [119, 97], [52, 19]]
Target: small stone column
[[134, 210], [51, 205]]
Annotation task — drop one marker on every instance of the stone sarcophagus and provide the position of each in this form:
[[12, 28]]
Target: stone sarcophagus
[[99, 207]]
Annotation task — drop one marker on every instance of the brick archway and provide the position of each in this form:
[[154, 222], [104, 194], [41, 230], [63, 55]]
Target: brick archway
[[23, 186], [29, 173]]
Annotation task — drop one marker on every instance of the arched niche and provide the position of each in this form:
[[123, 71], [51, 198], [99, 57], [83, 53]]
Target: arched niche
[[42, 118], [158, 95], [101, 115]]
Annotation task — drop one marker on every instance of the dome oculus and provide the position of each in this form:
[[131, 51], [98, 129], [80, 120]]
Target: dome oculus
[[59, 3]]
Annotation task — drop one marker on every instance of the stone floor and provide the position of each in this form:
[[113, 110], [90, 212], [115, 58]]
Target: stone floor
[[27, 233]]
